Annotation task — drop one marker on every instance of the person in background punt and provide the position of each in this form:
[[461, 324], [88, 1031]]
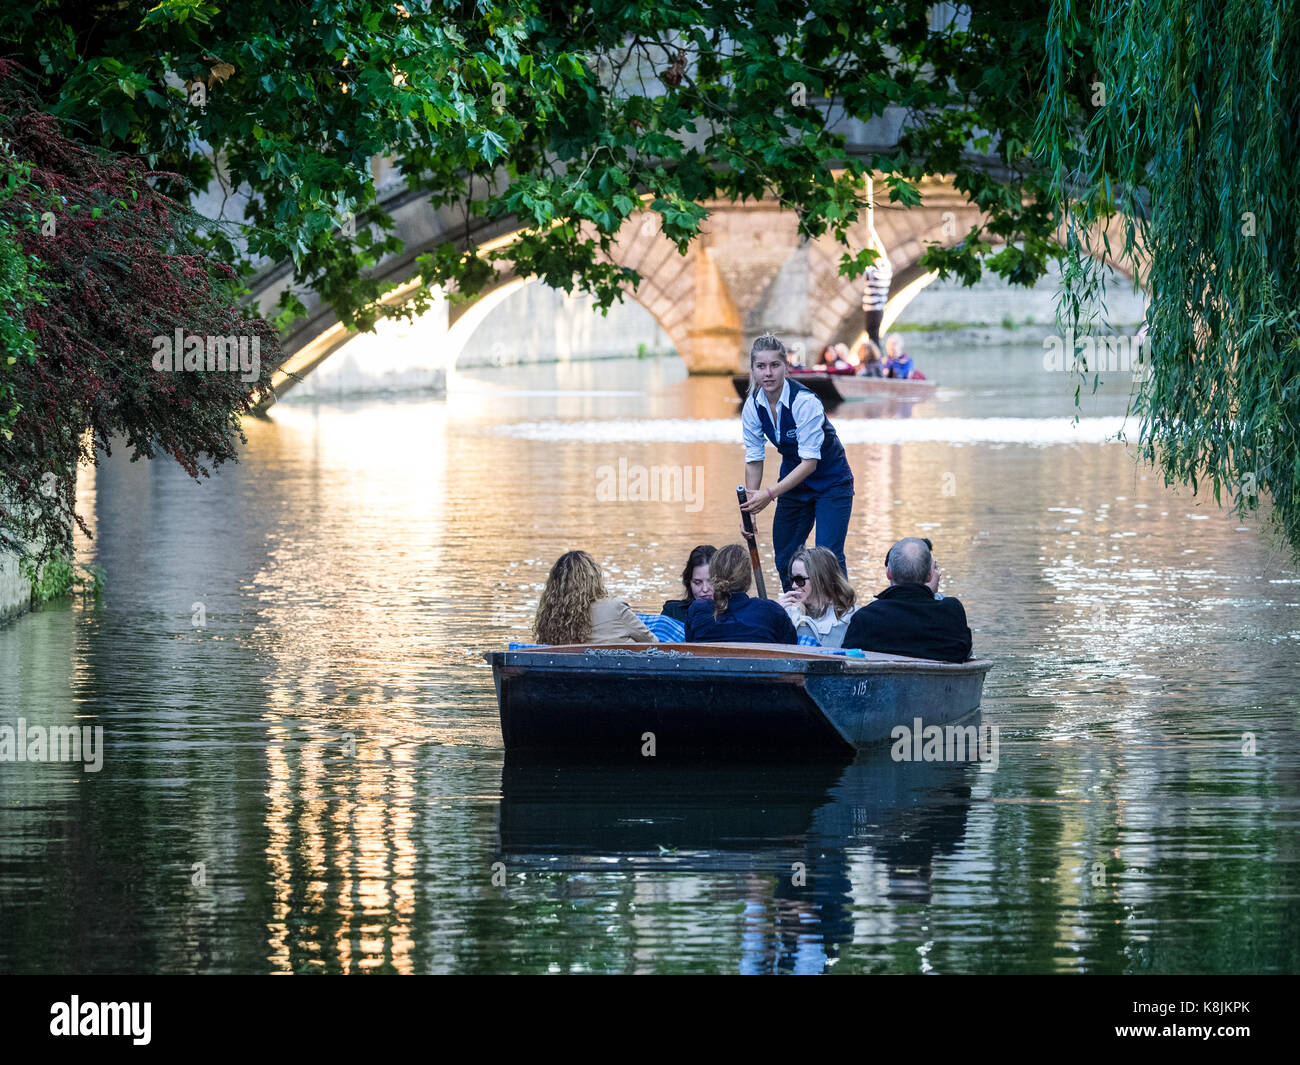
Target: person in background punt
[[820, 601], [575, 608], [897, 362], [832, 360], [696, 581], [869, 361], [731, 616], [906, 618]]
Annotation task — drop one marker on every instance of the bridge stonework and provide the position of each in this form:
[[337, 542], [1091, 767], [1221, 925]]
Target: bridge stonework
[[750, 270]]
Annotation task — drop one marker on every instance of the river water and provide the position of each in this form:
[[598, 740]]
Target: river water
[[302, 764]]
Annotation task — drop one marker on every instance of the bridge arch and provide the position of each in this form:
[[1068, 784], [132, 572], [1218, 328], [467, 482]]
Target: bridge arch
[[944, 218], [749, 270], [685, 294]]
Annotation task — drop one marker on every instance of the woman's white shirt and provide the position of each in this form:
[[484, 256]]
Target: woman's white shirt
[[805, 408], [828, 629]]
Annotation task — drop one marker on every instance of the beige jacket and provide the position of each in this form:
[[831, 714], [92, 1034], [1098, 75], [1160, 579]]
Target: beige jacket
[[612, 621]]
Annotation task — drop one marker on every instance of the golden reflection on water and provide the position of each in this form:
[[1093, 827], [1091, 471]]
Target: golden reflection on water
[[340, 792], [342, 856], [391, 541], [418, 505]]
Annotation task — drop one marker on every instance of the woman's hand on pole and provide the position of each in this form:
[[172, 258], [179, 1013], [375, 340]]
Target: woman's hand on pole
[[757, 500]]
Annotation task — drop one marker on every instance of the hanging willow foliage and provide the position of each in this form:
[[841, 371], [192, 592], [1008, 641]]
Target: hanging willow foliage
[[1186, 142]]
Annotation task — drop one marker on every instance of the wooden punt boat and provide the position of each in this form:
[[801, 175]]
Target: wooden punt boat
[[836, 388], [719, 700]]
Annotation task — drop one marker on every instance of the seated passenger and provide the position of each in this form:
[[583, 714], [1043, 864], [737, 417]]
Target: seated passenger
[[897, 362], [832, 361], [731, 616], [695, 579], [820, 601], [907, 618], [575, 607], [869, 361], [933, 582]]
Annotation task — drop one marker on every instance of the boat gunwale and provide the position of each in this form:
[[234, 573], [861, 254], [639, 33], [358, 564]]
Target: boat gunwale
[[575, 656]]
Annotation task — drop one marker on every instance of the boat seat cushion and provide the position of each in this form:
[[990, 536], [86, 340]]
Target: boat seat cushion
[[666, 630], [669, 630]]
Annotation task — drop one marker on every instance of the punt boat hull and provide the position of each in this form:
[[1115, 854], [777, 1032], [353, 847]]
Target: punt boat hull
[[719, 700]]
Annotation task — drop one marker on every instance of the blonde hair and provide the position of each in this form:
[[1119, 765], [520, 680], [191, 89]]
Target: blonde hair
[[564, 610], [827, 586], [730, 571], [870, 351]]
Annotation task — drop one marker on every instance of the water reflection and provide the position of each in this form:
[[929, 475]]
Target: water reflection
[[325, 748], [874, 408], [809, 845]]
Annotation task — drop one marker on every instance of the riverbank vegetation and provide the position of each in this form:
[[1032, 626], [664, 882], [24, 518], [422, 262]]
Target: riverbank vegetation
[[60, 576]]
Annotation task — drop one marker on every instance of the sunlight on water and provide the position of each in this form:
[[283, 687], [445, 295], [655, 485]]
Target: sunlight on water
[[312, 780], [876, 431]]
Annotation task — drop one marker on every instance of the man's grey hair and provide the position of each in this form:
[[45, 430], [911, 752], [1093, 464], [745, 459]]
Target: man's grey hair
[[910, 561]]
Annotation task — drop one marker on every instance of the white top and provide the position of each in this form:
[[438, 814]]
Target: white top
[[876, 292], [808, 414], [828, 630]]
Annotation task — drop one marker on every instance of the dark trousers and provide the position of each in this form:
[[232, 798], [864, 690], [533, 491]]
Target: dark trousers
[[829, 509], [873, 325]]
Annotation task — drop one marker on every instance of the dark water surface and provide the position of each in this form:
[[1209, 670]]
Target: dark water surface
[[324, 752]]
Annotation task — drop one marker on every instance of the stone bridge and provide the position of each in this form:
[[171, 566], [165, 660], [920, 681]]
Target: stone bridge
[[749, 271]]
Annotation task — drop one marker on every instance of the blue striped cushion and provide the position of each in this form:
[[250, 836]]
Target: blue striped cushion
[[666, 629]]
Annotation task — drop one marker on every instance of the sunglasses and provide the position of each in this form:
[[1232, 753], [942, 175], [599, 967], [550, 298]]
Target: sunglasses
[[798, 582]]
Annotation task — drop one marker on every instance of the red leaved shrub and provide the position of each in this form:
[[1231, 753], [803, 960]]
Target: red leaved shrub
[[119, 270]]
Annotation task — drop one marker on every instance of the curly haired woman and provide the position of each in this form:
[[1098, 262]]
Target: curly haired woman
[[575, 608]]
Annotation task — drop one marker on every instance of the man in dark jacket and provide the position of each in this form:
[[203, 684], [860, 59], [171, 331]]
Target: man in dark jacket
[[906, 618]]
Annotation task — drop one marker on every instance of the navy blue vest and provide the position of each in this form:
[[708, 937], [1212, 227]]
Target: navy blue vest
[[832, 467]]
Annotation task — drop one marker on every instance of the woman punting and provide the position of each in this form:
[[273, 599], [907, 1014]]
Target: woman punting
[[816, 484]]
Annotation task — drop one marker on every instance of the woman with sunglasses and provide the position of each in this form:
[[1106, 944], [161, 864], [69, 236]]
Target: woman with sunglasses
[[820, 602], [816, 484]]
